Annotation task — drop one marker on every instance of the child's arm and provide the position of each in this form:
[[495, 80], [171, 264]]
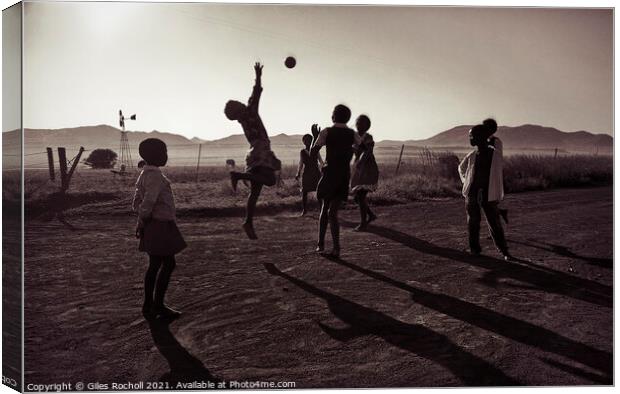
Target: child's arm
[[137, 195], [152, 187], [301, 164], [321, 162], [258, 88], [319, 139], [463, 168]]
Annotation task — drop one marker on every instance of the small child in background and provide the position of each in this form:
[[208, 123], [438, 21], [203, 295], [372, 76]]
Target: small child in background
[[309, 169], [157, 230], [481, 178], [365, 172]]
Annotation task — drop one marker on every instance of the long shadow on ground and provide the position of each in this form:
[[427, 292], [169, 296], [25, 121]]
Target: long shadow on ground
[[415, 338], [509, 327], [544, 279], [184, 367], [566, 252]]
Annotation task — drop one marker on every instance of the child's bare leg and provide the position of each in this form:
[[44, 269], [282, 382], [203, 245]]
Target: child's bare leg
[[323, 221], [168, 264], [334, 226], [248, 225], [360, 197], [304, 202], [149, 282]]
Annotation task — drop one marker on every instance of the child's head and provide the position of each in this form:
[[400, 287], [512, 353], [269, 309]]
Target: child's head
[[362, 124], [235, 110], [154, 152], [341, 114], [307, 140], [491, 126], [478, 135], [141, 163]]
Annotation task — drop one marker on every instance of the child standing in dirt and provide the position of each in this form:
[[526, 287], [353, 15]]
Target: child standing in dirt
[[309, 170], [481, 178], [333, 188], [498, 145], [157, 230], [365, 172], [261, 163]]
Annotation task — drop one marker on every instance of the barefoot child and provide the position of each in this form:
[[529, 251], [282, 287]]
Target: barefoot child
[[261, 162], [365, 172], [309, 170], [333, 188], [480, 188], [157, 229]]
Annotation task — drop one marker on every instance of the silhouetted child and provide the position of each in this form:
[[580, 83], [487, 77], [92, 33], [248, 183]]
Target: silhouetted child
[[365, 172], [481, 181], [261, 162], [157, 229], [496, 143], [309, 170], [333, 187]]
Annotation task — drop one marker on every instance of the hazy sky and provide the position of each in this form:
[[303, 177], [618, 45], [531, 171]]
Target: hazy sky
[[415, 71]]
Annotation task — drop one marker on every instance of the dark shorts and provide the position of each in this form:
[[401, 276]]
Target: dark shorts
[[334, 183], [264, 175], [161, 238]]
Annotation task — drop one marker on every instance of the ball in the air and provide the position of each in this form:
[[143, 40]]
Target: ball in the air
[[290, 62]]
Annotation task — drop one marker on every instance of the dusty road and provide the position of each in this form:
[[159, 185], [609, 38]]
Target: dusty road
[[405, 306]]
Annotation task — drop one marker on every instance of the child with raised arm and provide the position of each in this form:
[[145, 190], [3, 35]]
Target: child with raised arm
[[480, 188], [157, 229], [333, 187], [261, 162], [365, 172], [309, 170]]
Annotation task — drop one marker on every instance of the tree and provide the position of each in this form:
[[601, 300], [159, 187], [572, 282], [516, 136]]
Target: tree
[[101, 158]]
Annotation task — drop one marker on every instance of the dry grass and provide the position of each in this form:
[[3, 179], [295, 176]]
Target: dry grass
[[432, 175]]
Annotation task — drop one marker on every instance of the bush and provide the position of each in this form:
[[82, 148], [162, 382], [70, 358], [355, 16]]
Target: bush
[[101, 158]]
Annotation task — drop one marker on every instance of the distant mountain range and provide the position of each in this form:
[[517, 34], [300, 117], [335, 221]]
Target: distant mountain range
[[526, 137]]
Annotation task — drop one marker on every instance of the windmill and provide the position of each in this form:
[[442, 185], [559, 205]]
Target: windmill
[[125, 160]]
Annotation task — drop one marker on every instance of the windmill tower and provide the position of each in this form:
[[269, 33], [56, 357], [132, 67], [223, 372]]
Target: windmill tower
[[125, 160]]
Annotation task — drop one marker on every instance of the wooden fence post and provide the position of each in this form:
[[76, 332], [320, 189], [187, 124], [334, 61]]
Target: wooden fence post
[[74, 165], [62, 164], [50, 163], [402, 148], [198, 163]]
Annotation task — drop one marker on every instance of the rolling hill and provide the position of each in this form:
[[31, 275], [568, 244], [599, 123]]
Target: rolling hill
[[525, 137]]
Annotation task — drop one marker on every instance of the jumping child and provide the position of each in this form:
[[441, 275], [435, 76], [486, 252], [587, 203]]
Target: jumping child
[[261, 162], [309, 170], [365, 172], [333, 187], [157, 229], [481, 178]]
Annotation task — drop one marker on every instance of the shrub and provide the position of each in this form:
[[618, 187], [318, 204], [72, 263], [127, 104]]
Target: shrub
[[101, 158]]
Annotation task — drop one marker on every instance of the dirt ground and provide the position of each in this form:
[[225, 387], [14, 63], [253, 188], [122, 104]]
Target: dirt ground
[[405, 305]]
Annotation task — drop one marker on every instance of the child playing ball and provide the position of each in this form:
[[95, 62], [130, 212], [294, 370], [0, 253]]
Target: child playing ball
[[261, 162]]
